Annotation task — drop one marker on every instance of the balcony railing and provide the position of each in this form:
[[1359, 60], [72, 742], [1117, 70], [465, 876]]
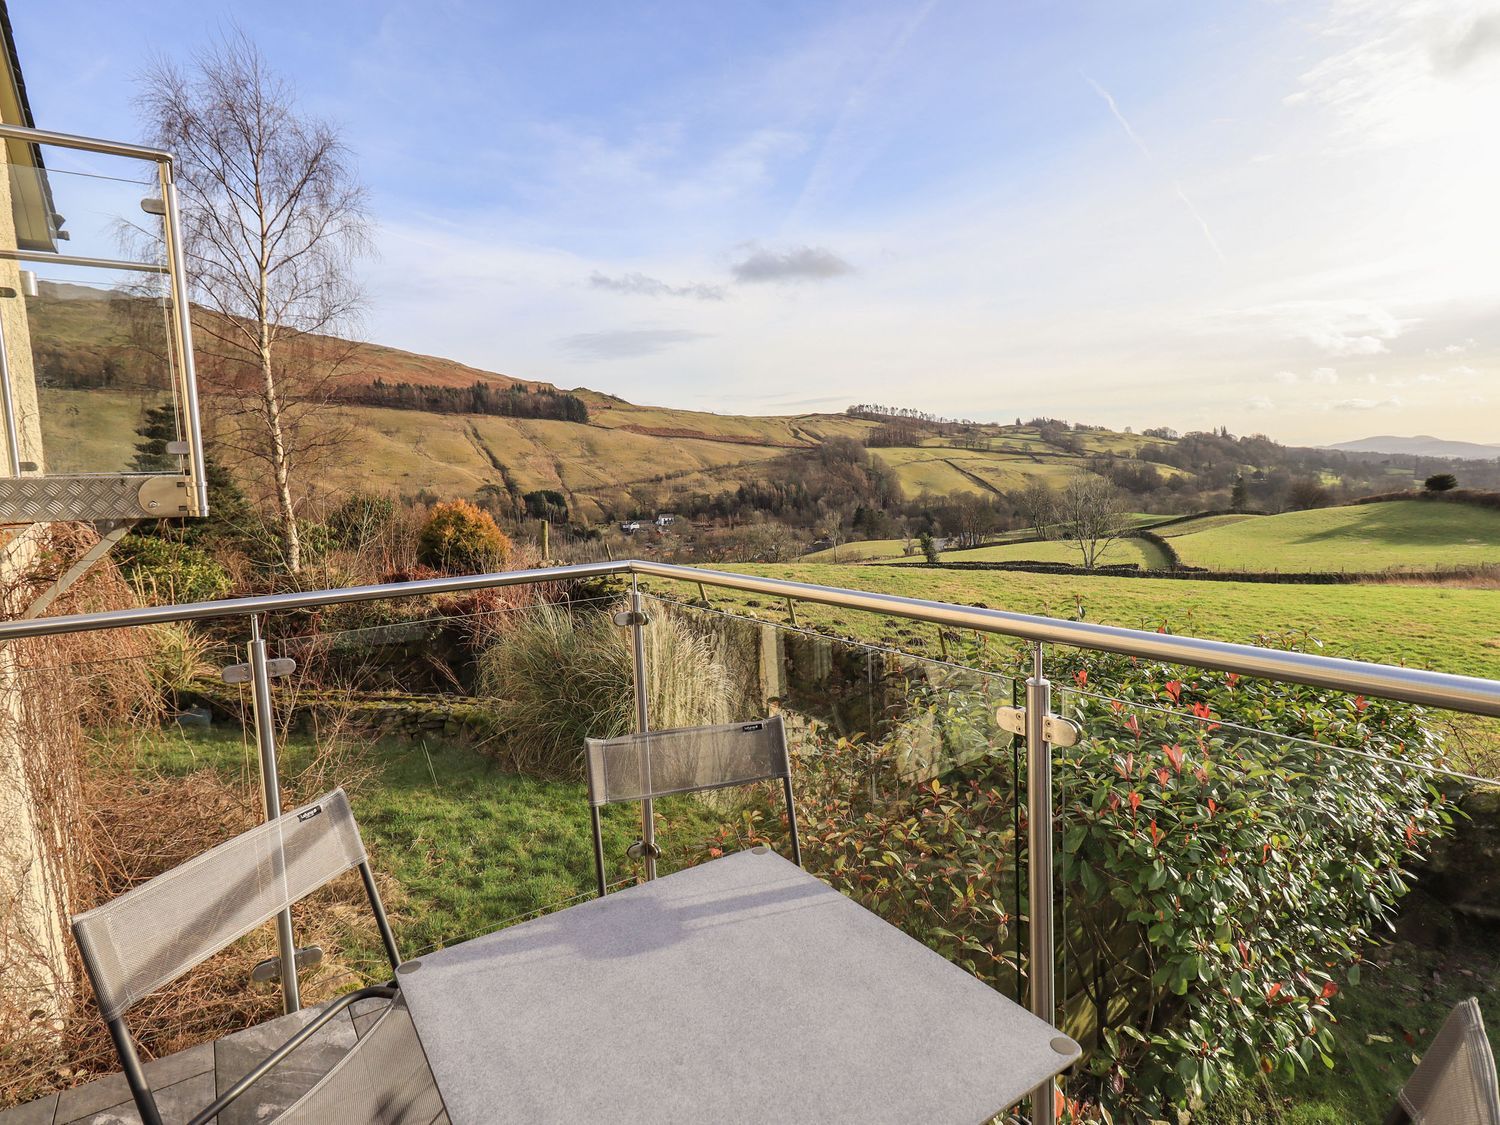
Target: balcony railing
[[95, 335], [871, 714]]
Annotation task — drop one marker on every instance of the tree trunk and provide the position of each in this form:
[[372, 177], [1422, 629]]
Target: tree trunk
[[291, 538]]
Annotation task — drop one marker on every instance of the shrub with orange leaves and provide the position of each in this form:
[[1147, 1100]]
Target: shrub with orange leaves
[[461, 538]]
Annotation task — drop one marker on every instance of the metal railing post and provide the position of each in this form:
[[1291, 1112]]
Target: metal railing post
[[642, 719], [8, 406], [1040, 965], [187, 379], [270, 787]]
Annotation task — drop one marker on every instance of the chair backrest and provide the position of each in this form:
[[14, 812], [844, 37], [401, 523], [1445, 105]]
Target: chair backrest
[[636, 767], [159, 930], [1455, 1083], [383, 1080]]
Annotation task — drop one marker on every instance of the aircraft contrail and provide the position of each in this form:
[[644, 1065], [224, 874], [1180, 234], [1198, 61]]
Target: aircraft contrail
[[1114, 108]]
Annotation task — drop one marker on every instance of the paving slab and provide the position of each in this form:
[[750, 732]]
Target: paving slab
[[178, 1103], [40, 1112]]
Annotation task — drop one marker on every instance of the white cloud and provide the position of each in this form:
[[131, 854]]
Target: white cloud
[[800, 263], [1481, 39], [1396, 68], [1074, 285], [640, 285], [1341, 327], [1318, 376]]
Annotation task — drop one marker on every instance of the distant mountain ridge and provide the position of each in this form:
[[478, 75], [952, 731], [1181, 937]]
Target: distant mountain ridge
[[1422, 445]]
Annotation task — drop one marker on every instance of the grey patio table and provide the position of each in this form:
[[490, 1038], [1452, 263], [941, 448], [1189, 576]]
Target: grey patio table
[[743, 989]]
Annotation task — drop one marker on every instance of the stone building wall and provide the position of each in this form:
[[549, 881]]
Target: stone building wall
[[33, 949]]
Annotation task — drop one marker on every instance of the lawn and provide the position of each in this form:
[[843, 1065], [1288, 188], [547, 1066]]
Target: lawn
[[1400, 534], [894, 550], [1434, 627], [473, 847]]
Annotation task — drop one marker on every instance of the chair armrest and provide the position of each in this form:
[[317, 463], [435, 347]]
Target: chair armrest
[[305, 1033]]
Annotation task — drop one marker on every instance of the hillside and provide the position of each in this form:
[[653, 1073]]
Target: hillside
[[69, 321], [1423, 445], [624, 455], [410, 434]]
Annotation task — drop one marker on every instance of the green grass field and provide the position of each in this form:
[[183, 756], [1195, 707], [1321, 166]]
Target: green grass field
[[1398, 535], [1401, 535], [91, 431], [473, 847], [1121, 551], [940, 469], [649, 452], [1451, 630], [1434, 627], [863, 549], [1203, 523]]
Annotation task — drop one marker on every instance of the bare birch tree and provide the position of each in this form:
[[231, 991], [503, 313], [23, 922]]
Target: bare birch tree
[[273, 217], [1091, 513]]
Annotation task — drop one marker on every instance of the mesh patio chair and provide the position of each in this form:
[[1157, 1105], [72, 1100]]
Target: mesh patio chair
[[156, 932], [639, 767], [1454, 1084], [384, 1079]]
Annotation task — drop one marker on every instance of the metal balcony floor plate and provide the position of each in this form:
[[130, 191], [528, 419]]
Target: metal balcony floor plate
[[58, 499]]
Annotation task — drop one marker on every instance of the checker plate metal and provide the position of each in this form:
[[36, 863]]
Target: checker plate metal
[[58, 499]]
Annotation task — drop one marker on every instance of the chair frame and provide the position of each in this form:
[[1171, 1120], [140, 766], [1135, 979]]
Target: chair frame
[[130, 1061], [1400, 1115], [598, 746]]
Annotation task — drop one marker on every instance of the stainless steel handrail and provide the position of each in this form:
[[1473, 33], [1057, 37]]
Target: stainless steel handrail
[[302, 599], [46, 256], [88, 144], [1468, 694]]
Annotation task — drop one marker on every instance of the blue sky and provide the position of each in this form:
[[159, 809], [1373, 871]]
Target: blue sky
[[1271, 216]]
